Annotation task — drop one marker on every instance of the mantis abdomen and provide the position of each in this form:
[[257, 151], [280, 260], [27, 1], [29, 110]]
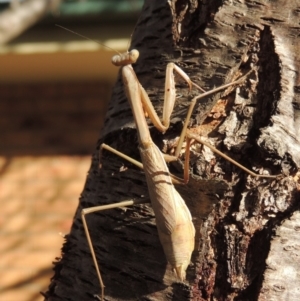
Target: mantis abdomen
[[173, 219]]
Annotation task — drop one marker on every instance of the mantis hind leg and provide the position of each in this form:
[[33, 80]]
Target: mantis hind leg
[[89, 210], [191, 138]]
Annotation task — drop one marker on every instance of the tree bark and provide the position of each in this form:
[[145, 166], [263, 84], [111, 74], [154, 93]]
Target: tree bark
[[246, 242]]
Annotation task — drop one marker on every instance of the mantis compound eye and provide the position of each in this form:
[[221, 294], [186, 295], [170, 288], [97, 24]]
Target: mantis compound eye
[[134, 55]]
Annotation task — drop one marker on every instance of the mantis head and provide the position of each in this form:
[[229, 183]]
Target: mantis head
[[126, 58]]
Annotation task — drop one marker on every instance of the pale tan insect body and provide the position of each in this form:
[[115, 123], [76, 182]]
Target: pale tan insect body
[[173, 219]]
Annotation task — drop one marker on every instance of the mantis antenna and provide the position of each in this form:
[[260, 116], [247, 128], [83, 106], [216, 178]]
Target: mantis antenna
[[80, 35]]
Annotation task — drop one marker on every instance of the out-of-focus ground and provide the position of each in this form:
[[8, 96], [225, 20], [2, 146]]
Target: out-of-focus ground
[[48, 133], [38, 198]]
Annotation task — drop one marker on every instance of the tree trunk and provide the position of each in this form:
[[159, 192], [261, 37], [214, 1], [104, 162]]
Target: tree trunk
[[246, 242]]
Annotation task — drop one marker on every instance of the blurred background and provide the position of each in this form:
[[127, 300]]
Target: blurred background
[[54, 89]]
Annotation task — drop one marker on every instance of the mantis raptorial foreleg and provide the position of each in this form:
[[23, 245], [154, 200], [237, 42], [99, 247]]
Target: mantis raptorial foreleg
[[173, 219]]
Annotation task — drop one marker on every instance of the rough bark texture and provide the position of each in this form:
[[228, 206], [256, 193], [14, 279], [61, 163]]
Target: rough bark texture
[[241, 221]]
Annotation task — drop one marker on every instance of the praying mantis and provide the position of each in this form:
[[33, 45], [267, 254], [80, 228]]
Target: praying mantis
[[173, 219]]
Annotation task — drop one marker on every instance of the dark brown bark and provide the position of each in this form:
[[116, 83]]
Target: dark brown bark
[[237, 256]]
